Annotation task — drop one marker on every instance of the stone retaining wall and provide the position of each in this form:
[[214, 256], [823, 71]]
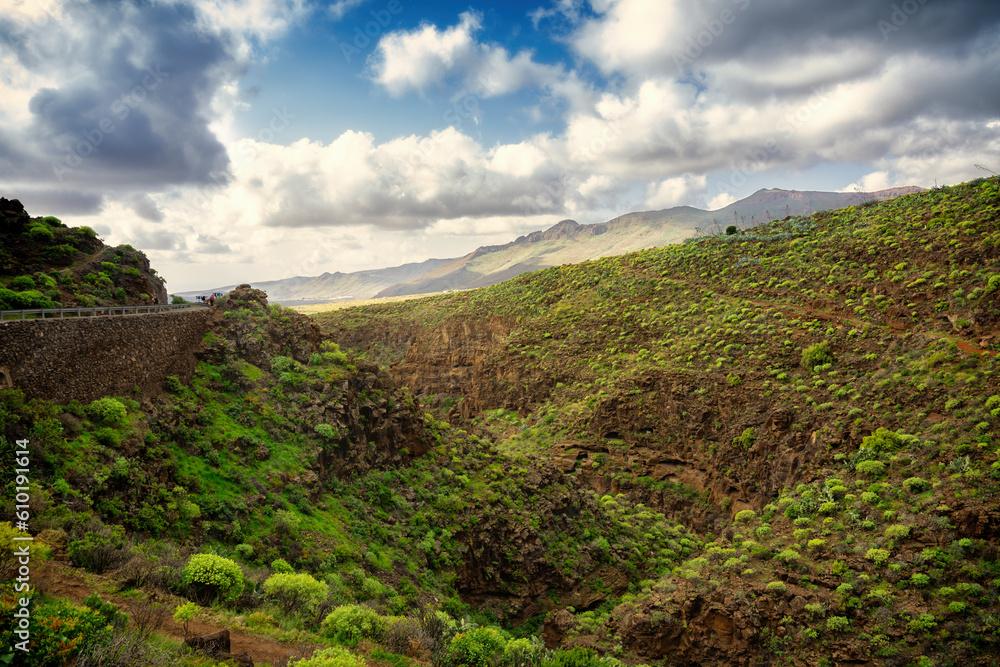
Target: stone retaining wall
[[87, 358]]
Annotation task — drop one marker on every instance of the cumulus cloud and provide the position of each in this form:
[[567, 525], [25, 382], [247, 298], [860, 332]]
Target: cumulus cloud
[[427, 57], [674, 191], [405, 183], [119, 96]]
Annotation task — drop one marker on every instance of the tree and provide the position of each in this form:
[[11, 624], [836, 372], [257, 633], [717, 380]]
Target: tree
[[184, 613]]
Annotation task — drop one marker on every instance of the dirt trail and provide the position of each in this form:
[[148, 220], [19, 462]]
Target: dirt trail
[[61, 580]]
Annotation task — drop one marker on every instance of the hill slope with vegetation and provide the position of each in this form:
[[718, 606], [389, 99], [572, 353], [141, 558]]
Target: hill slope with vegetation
[[771, 447], [827, 385], [45, 264]]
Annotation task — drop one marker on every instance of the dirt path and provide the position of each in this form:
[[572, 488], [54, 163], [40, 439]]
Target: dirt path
[[61, 580]]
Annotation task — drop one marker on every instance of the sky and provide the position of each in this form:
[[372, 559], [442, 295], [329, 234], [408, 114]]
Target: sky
[[247, 140]]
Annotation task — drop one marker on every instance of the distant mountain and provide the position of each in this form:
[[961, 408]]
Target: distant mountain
[[335, 286], [566, 242], [569, 242]]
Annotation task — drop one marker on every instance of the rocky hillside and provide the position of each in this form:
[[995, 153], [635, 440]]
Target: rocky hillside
[[825, 385], [45, 264], [772, 447]]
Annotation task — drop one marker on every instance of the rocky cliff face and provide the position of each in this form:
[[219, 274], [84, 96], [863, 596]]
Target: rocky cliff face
[[375, 423]]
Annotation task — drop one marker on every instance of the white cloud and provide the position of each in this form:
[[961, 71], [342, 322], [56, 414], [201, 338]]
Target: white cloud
[[420, 58], [721, 200], [674, 191], [877, 180], [424, 58], [520, 160]]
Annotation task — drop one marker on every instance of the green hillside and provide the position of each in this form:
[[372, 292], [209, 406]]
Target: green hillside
[[772, 447], [46, 264], [826, 384]]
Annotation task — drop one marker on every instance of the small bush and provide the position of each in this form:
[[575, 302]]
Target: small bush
[[59, 631], [776, 587], [352, 623], [281, 566], [335, 656], [817, 355], [296, 590], [870, 468], [100, 550], [212, 577], [745, 516], [745, 440], [916, 484], [40, 232], [476, 648], [109, 411], [877, 556], [22, 283], [897, 531], [837, 624]]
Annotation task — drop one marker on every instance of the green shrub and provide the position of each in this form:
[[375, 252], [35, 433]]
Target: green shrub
[[576, 657], [281, 365], [776, 587], [109, 411], [923, 623], [897, 531], [352, 623], [870, 468], [817, 355], [281, 566], [22, 283], [745, 440], [111, 614], [837, 624], [30, 299], [212, 577], [293, 590], [919, 579], [877, 556], [334, 656], [40, 232], [916, 484], [745, 516], [476, 648], [100, 550]]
